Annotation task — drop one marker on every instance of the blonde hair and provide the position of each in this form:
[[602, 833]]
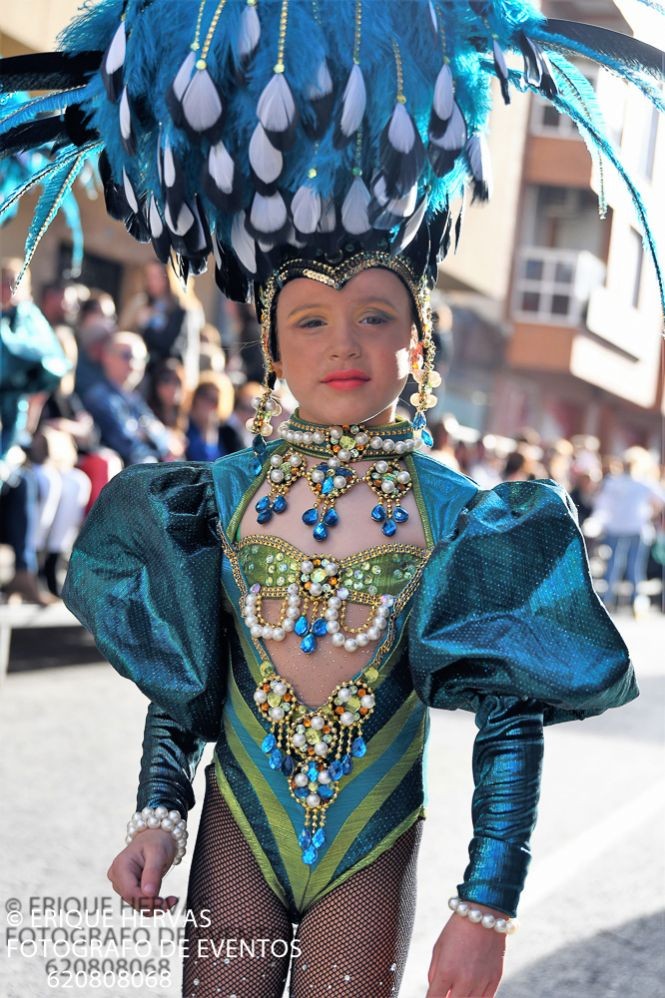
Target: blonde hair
[[225, 390]]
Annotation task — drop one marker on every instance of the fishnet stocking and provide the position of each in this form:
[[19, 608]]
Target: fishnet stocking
[[226, 880], [354, 941]]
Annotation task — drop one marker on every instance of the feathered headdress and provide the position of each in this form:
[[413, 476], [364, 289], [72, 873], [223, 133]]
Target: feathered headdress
[[259, 129]]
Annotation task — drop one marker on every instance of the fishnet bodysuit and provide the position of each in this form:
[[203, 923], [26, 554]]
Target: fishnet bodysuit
[[353, 942]]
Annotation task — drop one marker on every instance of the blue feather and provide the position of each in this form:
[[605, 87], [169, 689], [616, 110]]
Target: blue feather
[[55, 188], [29, 110]]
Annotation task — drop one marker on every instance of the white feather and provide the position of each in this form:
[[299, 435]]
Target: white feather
[[125, 116], [183, 223], [500, 59], [328, 217], [379, 191], [184, 75], [155, 219], [354, 101], [115, 57], [250, 31], [201, 103], [130, 194], [479, 160], [432, 14], [221, 167], [444, 93], [265, 160], [355, 218], [217, 253], [323, 83], [401, 130], [243, 244], [412, 226], [169, 165], [268, 212], [454, 136], [306, 209], [405, 205], [276, 107]]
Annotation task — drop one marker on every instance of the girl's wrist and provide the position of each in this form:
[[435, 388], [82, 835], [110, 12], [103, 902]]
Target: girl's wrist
[[160, 818], [482, 915]]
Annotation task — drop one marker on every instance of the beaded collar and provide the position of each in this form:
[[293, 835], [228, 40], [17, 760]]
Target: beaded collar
[[351, 442]]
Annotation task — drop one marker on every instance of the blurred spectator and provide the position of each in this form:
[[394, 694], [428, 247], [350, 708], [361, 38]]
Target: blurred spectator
[[32, 363], [212, 358], [124, 420], [59, 304], [558, 460], [244, 410], [582, 494], [443, 448], [519, 467], [209, 434], [483, 468], [168, 319], [623, 510], [211, 337], [96, 322], [168, 400]]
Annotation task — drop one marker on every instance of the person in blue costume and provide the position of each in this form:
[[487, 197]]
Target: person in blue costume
[[302, 604]]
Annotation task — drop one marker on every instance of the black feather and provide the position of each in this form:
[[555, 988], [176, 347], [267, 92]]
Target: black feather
[[32, 134], [47, 70], [608, 44]]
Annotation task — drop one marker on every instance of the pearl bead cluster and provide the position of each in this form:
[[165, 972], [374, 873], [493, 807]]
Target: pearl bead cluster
[[356, 442], [160, 817], [505, 926]]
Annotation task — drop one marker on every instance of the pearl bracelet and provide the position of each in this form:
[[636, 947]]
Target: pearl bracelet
[[160, 817], [505, 926]]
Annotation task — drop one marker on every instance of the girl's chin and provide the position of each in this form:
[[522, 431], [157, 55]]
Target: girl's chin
[[347, 413]]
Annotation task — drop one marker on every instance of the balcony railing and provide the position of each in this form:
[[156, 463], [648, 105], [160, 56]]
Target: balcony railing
[[553, 285]]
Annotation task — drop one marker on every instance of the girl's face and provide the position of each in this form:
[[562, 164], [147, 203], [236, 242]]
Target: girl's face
[[345, 354]]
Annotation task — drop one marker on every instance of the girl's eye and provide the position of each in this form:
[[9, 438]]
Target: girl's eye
[[375, 319], [310, 323]]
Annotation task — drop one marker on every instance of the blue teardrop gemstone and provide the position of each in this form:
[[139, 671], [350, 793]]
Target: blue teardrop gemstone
[[305, 838], [331, 518], [400, 515], [378, 513], [327, 486], [268, 743], [319, 838], [265, 516], [320, 627], [275, 759], [358, 747], [325, 791], [320, 532], [312, 771], [310, 516], [336, 769], [310, 856], [301, 627], [389, 528], [308, 644], [259, 445], [262, 504], [418, 421], [428, 439], [346, 764], [301, 791], [279, 504], [288, 765], [344, 472]]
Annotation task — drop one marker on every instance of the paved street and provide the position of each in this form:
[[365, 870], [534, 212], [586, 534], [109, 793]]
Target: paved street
[[592, 912]]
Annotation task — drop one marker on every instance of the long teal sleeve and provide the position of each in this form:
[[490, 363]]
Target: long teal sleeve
[[170, 758]]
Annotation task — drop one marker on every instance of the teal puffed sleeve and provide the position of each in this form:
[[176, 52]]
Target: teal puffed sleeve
[[169, 761], [144, 578], [507, 624]]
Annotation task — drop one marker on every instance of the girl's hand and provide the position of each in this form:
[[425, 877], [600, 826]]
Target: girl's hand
[[467, 960], [136, 873]]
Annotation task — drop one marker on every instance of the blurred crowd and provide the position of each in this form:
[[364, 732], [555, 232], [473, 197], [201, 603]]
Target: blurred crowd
[[86, 392]]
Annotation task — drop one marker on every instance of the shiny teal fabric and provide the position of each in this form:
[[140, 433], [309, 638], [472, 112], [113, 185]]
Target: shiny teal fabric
[[505, 624]]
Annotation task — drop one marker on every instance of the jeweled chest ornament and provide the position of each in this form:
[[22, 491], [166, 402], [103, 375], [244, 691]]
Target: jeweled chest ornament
[[314, 749], [331, 478]]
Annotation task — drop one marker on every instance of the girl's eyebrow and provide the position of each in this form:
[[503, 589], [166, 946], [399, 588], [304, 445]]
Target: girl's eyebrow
[[315, 305]]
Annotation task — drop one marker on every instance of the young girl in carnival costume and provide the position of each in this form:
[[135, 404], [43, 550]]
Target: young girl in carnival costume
[[302, 603]]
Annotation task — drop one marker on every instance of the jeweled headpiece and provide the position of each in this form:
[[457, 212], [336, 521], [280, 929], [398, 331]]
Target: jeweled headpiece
[[258, 128]]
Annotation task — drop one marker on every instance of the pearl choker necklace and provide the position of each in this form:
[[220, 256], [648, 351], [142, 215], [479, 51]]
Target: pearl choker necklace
[[343, 444]]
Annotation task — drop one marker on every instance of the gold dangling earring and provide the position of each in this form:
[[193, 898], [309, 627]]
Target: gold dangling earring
[[422, 358], [266, 404]]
